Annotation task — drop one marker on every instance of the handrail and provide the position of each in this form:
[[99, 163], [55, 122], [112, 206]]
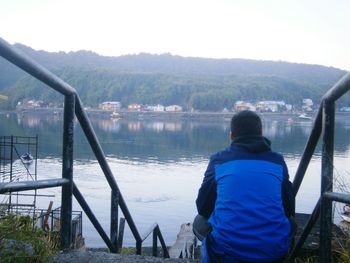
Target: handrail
[[338, 197], [92, 218], [22, 61], [100, 156], [324, 123], [149, 231], [31, 185], [154, 229], [338, 89], [308, 151], [307, 230], [73, 105], [332, 95]]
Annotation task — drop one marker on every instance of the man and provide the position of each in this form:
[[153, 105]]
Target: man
[[247, 198]]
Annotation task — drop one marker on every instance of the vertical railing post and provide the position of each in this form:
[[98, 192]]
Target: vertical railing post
[[327, 181], [36, 172], [155, 242], [11, 171], [121, 233], [67, 171], [138, 247], [114, 219]]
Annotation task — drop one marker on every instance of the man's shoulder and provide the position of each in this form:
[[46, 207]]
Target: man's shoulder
[[224, 155], [277, 154], [235, 153]]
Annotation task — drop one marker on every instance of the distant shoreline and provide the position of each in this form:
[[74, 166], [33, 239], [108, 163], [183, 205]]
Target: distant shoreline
[[165, 115], [140, 115]]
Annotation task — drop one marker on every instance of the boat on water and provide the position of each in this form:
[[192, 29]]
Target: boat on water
[[115, 115], [303, 116], [26, 158]]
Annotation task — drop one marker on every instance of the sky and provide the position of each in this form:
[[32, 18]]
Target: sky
[[301, 31]]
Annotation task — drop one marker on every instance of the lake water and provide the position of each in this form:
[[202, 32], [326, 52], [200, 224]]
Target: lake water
[[159, 165]]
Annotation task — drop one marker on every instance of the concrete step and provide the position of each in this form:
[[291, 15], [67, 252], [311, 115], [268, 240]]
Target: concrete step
[[79, 256]]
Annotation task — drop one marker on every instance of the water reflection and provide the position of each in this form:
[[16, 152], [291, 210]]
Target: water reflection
[[134, 125], [33, 120], [150, 139], [109, 125], [156, 126]]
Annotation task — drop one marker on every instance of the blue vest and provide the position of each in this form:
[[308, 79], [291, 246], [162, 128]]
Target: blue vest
[[249, 221]]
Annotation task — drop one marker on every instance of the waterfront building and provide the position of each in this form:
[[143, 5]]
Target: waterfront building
[[110, 105], [135, 107], [173, 108]]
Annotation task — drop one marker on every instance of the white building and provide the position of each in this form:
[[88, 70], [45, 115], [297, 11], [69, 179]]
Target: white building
[[173, 108], [159, 107], [307, 105], [30, 104], [110, 105], [270, 106], [135, 107], [243, 105]]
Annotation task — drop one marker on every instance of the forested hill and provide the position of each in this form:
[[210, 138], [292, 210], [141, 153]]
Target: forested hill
[[168, 64], [202, 83]]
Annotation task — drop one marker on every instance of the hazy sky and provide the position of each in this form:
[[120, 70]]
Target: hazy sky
[[303, 31]]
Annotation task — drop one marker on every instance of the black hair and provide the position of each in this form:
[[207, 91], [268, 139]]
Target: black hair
[[246, 123]]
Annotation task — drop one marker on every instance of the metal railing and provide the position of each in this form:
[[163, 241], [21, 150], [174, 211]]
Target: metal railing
[[73, 107], [324, 124], [50, 220]]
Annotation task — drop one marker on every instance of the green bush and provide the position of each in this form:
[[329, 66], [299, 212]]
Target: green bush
[[19, 229]]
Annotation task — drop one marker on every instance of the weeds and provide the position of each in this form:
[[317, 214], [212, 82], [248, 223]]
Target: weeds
[[20, 229]]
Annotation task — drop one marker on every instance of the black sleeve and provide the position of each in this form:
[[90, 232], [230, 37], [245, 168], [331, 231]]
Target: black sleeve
[[288, 198], [207, 193]]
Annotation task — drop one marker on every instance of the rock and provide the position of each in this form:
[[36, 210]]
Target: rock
[[12, 248]]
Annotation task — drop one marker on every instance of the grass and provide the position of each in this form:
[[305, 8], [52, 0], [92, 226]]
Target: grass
[[20, 228]]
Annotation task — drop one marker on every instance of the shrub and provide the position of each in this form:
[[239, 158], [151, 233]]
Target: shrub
[[19, 242]]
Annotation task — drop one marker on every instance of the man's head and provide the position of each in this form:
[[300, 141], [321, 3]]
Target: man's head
[[245, 123]]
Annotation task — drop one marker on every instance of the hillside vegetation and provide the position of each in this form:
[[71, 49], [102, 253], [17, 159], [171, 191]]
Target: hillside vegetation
[[199, 83]]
